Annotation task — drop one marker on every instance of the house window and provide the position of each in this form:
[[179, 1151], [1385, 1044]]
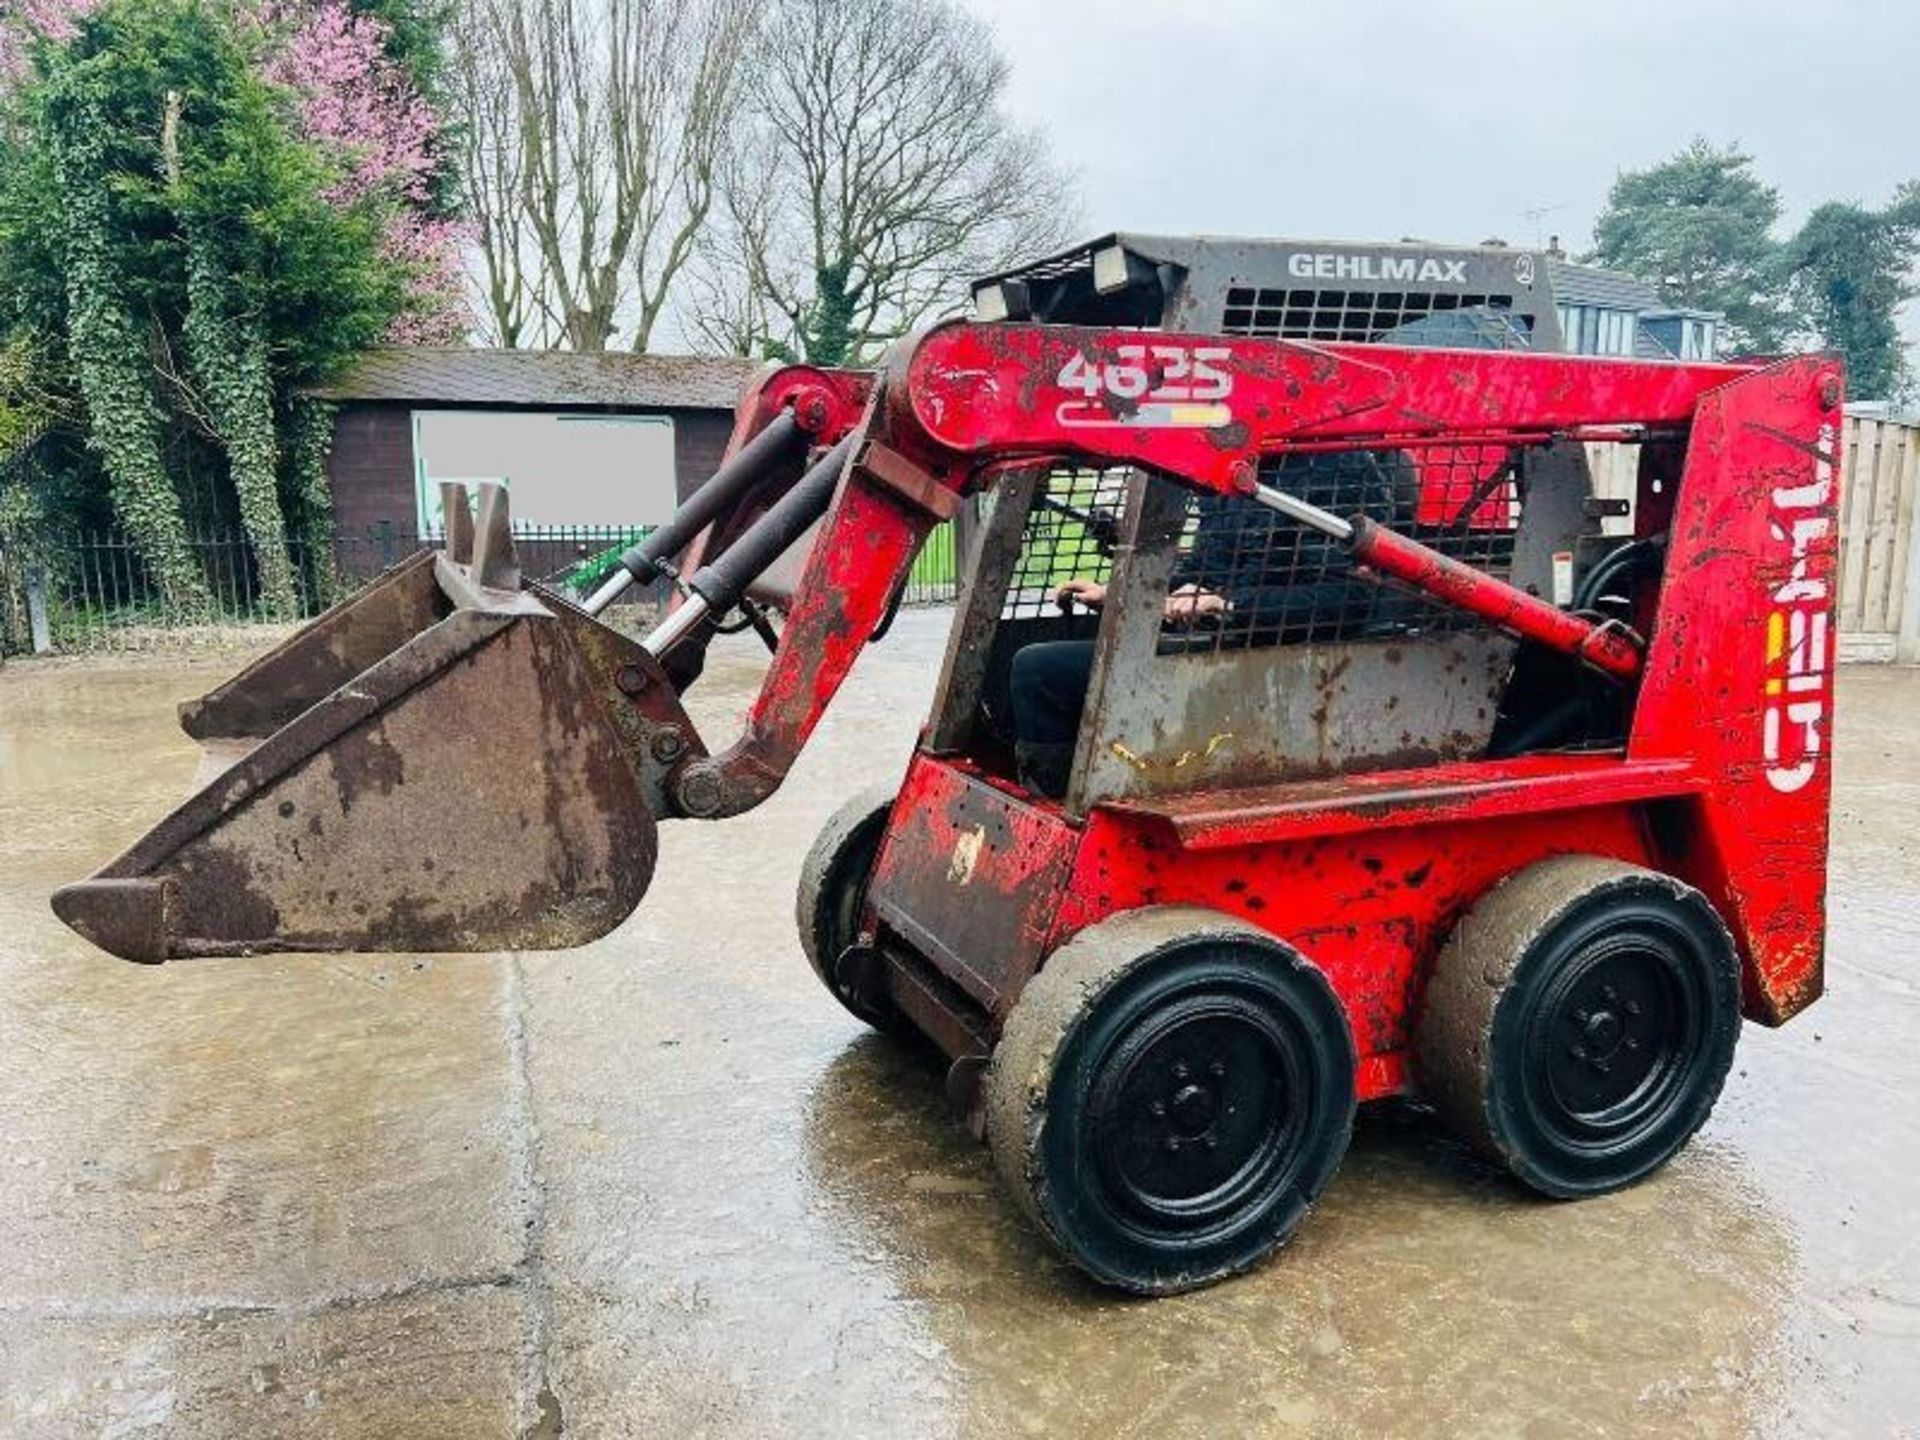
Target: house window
[[1697, 340], [1596, 330]]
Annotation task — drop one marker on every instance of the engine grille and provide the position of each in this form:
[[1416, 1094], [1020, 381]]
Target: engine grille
[[1468, 320]]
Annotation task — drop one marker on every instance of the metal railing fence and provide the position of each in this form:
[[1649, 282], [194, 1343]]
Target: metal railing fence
[[76, 592]]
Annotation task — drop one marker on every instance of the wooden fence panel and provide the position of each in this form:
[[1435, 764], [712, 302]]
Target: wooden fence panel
[[1879, 614], [1903, 570], [1883, 503], [1860, 443]]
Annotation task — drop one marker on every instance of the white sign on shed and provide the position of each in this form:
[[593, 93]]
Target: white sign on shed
[[562, 469]]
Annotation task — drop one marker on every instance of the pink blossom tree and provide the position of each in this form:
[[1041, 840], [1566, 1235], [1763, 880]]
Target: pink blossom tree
[[24, 21], [356, 100]]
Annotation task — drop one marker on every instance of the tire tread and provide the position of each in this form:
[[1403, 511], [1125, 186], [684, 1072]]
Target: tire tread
[[1074, 979]]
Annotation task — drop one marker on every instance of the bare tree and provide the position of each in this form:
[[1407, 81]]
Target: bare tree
[[595, 130], [876, 172], [507, 273]]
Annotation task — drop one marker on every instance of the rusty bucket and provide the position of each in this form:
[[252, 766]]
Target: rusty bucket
[[437, 763]]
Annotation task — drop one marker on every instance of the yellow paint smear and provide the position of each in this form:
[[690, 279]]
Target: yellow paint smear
[[1187, 757]]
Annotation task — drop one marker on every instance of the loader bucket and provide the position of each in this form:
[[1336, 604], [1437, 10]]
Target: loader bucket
[[436, 768]]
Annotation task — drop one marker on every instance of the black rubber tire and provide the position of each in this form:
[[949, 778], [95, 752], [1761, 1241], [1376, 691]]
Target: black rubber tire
[[833, 890], [1580, 1022], [1206, 1018]]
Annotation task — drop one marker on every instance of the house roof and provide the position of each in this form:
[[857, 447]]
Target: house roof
[[548, 379], [1590, 285]]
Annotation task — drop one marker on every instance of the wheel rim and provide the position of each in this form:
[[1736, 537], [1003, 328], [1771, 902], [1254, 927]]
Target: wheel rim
[[1197, 1114], [1615, 1040], [843, 918]]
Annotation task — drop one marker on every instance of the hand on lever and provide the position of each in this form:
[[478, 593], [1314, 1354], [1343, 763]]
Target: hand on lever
[[1191, 603], [1090, 593]]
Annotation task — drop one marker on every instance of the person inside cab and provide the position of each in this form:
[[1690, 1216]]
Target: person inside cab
[[1248, 577]]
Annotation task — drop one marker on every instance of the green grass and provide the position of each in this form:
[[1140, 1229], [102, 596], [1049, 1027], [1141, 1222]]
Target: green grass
[[586, 575], [936, 567], [1058, 548]]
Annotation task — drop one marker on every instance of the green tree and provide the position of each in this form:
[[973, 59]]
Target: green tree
[[258, 238], [1699, 227], [1851, 269], [309, 432]]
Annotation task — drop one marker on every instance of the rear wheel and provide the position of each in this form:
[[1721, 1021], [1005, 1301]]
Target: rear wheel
[[1171, 1093], [1580, 1022], [833, 892]]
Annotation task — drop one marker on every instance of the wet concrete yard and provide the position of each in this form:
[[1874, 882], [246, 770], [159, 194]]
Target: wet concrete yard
[[663, 1186]]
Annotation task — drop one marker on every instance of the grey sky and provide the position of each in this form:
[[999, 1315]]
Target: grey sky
[[1368, 119]]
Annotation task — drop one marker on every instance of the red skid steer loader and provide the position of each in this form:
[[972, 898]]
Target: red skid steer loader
[[1488, 789]]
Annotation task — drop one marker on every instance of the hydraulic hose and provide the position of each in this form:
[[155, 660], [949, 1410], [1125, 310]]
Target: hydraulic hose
[[718, 585], [1629, 556]]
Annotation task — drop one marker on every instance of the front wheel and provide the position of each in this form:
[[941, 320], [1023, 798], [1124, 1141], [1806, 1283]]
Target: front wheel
[[1580, 1022], [1171, 1093], [833, 893]]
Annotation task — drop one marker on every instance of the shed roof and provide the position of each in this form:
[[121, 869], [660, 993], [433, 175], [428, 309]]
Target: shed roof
[[547, 379], [1590, 285]]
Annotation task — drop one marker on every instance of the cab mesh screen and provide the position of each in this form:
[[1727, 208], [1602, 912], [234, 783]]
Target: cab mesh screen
[[1247, 576]]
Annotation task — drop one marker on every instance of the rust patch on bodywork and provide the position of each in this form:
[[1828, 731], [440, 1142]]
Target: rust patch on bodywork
[[322, 656]]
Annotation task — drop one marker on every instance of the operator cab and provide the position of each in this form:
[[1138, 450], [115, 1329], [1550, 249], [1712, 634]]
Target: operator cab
[[1307, 671]]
